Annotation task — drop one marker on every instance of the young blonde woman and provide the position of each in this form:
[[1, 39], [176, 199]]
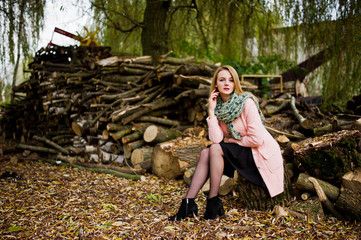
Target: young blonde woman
[[240, 142]]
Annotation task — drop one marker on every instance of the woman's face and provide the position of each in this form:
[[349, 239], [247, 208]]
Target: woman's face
[[225, 83]]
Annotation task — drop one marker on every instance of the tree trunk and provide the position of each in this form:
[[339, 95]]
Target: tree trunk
[[20, 34], [154, 34], [305, 67]]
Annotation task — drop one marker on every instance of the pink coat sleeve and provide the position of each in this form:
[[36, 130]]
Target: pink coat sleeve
[[215, 131]]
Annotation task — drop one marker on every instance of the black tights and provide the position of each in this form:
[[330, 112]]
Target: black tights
[[210, 164]]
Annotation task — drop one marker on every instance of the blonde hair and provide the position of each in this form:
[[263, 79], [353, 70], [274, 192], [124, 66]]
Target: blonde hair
[[234, 74]]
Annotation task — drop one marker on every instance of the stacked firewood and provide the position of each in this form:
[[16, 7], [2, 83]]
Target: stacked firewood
[[84, 102]]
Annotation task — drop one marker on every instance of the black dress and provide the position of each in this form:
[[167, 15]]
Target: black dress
[[237, 157]]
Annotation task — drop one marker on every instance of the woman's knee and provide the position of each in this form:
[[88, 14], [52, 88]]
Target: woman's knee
[[216, 149], [204, 156]]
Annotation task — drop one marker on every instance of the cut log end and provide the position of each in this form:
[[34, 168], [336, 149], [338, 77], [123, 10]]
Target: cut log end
[[150, 133]]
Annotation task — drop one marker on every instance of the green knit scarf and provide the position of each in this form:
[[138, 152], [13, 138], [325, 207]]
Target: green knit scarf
[[229, 111]]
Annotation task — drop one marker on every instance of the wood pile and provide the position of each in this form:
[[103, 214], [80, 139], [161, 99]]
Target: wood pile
[[84, 106], [81, 101]]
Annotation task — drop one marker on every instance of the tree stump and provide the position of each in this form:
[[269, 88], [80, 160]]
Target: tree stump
[[330, 156], [258, 198]]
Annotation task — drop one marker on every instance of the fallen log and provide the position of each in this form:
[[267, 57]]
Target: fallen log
[[99, 170], [271, 109], [157, 134], [80, 126], [51, 143], [121, 132], [136, 135], [36, 148], [147, 109], [303, 183], [168, 122], [324, 200], [142, 156], [114, 168], [188, 174], [178, 61], [272, 130]]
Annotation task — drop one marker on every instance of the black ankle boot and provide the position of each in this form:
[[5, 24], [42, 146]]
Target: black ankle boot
[[214, 208], [187, 209]]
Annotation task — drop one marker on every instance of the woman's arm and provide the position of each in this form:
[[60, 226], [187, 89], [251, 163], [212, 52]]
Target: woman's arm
[[255, 134], [214, 130]]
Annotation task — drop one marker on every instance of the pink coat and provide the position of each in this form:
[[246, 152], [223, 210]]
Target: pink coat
[[266, 151]]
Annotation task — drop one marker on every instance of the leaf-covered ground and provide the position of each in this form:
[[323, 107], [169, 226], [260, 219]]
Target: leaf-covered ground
[[57, 202]]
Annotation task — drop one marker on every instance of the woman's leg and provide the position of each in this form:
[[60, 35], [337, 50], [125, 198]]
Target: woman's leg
[[216, 164], [200, 175]]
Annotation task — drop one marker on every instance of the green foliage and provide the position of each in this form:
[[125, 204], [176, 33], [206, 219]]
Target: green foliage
[[120, 24], [328, 24], [18, 18], [14, 229], [228, 31], [273, 64], [153, 197], [6, 89]]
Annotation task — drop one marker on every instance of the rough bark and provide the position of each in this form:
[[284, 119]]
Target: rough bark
[[258, 198]]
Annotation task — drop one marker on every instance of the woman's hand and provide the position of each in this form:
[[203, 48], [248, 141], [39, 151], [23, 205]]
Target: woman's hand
[[212, 102], [226, 140]]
